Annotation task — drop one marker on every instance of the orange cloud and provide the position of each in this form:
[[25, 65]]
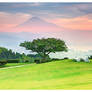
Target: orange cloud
[[78, 23]]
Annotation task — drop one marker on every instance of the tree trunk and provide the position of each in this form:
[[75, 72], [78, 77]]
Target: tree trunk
[[44, 56]]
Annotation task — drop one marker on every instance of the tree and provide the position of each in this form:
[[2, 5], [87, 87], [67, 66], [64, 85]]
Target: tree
[[45, 46], [8, 54]]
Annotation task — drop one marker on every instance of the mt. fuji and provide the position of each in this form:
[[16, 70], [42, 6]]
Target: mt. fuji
[[35, 24]]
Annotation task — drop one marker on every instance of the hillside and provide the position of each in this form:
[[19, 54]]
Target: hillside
[[64, 74]]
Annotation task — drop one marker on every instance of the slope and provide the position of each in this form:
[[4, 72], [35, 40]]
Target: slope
[[64, 74]]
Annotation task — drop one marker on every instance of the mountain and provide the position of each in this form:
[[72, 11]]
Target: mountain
[[36, 24], [36, 21]]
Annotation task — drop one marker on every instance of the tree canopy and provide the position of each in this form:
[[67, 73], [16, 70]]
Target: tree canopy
[[8, 54], [45, 46]]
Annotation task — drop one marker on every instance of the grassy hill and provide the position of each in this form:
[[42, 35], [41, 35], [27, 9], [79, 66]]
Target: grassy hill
[[64, 74]]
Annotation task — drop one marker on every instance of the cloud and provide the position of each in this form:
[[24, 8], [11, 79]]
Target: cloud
[[70, 10], [78, 23], [85, 7], [22, 5], [72, 54], [9, 20], [10, 23]]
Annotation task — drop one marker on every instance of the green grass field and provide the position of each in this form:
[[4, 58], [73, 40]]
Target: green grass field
[[12, 64], [64, 74]]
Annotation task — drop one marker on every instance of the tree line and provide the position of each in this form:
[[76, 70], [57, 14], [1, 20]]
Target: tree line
[[8, 54], [43, 47]]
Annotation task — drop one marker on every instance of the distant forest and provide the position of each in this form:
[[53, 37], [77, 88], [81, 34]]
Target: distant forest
[[7, 54]]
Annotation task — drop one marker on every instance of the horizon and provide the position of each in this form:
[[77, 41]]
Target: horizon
[[21, 22]]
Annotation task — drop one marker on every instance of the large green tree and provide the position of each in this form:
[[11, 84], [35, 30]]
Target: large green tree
[[45, 46]]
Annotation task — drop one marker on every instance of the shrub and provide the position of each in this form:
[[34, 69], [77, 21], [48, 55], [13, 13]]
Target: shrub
[[55, 59], [40, 60], [90, 57], [32, 60], [75, 60], [26, 60], [65, 57], [3, 62], [37, 61], [82, 60], [13, 61]]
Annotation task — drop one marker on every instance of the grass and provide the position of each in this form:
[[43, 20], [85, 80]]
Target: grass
[[12, 64], [64, 74]]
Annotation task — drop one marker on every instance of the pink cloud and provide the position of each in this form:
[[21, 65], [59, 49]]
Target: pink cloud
[[37, 29], [8, 20], [78, 23], [8, 23]]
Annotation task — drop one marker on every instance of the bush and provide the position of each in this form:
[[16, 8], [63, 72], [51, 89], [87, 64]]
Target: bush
[[55, 59], [37, 61], [74, 60], [3, 62], [90, 57], [32, 60], [40, 60], [26, 60], [65, 57], [82, 60], [13, 61]]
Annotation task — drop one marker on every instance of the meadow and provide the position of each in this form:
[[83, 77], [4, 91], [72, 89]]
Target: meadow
[[62, 74], [12, 64]]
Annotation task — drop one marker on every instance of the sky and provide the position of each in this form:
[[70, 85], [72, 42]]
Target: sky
[[71, 22]]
